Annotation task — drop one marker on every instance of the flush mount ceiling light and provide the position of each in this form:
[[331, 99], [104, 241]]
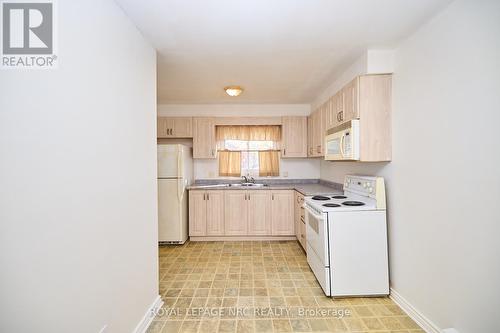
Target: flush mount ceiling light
[[233, 91]]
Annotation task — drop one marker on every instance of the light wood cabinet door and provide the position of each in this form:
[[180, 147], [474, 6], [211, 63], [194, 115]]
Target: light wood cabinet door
[[314, 135], [174, 127], [302, 239], [215, 213], [296, 215], [310, 131], [182, 127], [322, 129], [204, 144], [164, 127], [351, 101], [235, 213], [282, 223], [259, 212], [294, 133], [330, 113], [318, 129], [300, 231], [335, 112], [197, 213]]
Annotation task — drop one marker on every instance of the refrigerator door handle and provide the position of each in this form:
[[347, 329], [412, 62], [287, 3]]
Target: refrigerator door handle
[[180, 182]]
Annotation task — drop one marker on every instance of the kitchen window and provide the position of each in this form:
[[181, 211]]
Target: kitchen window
[[248, 150]]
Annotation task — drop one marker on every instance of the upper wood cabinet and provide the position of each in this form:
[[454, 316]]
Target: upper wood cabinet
[[310, 143], [316, 131], [175, 127], [294, 137], [350, 94], [282, 213], [206, 213], [368, 99], [335, 111], [374, 109], [204, 142]]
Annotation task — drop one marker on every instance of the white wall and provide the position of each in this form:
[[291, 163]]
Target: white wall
[[443, 184], [293, 168], [372, 61], [78, 180], [297, 168], [233, 110]]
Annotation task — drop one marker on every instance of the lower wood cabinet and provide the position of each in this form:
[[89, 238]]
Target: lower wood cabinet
[[241, 213], [259, 213], [206, 213], [300, 225], [282, 213], [215, 213], [236, 213]]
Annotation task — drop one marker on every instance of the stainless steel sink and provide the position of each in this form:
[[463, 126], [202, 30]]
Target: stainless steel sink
[[247, 185]]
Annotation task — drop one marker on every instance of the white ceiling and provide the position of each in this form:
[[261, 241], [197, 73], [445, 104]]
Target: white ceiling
[[280, 51]]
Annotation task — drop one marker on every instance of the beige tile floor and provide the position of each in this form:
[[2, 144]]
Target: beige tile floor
[[259, 287]]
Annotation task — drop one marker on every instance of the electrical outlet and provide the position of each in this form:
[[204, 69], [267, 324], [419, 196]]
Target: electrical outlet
[[285, 173], [211, 174]]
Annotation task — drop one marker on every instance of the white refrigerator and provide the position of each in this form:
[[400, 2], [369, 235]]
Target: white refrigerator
[[175, 172]]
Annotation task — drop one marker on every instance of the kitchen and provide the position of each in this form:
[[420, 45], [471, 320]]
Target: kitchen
[[231, 166]]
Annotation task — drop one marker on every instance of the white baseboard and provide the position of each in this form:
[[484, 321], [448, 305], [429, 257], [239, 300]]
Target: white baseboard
[[149, 315], [240, 238], [413, 313]]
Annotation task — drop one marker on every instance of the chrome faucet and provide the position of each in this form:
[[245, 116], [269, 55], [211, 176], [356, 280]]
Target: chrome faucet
[[252, 180], [245, 179]]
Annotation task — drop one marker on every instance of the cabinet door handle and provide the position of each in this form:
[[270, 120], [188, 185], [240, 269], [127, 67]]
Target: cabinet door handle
[[213, 153], [204, 196], [272, 196], [208, 196], [284, 151]]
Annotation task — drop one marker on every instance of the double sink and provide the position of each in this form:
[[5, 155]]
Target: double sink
[[246, 185]]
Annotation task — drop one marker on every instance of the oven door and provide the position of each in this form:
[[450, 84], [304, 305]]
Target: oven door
[[317, 246]]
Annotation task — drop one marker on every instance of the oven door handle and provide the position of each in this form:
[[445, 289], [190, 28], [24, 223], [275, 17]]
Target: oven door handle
[[316, 216]]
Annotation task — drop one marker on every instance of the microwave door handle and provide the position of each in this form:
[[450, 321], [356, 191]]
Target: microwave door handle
[[342, 145]]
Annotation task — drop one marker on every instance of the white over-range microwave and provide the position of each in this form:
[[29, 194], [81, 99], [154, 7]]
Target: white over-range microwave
[[342, 142]]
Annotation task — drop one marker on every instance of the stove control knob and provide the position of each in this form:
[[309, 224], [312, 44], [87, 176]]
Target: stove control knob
[[370, 190], [346, 184], [365, 185]]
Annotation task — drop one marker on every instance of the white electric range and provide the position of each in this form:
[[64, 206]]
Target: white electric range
[[347, 238]]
